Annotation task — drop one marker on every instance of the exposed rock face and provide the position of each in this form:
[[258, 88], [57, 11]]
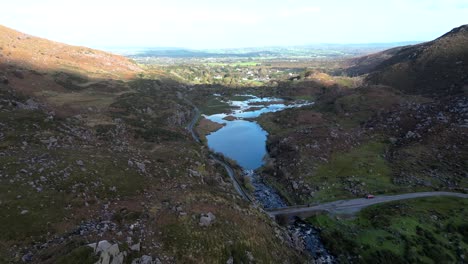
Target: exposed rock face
[[27, 257], [141, 166], [146, 260], [207, 219], [135, 247], [109, 253], [30, 104]]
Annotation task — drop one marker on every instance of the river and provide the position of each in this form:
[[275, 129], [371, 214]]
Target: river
[[243, 140]]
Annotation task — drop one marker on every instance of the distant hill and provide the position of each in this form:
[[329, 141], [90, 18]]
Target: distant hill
[[186, 53], [437, 67], [30, 52], [321, 50], [366, 64]]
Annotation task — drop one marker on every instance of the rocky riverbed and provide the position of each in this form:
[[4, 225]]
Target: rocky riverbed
[[245, 142]]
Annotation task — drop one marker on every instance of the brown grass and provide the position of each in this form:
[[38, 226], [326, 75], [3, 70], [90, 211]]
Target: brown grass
[[32, 52]]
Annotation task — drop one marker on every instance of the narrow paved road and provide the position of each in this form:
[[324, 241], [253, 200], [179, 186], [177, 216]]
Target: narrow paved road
[[354, 205], [341, 207], [194, 120], [229, 170], [232, 175]]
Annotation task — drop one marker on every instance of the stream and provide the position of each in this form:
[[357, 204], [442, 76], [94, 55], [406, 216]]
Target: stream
[[243, 140]]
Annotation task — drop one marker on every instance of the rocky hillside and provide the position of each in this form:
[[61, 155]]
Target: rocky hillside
[[385, 127], [390, 135], [438, 67], [366, 64], [96, 165], [40, 54], [66, 79]]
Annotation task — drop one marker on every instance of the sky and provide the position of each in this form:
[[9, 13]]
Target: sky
[[205, 24]]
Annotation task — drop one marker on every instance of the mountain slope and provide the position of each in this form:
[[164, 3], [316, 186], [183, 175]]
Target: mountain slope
[[88, 154], [438, 67], [379, 139], [27, 51], [365, 64]]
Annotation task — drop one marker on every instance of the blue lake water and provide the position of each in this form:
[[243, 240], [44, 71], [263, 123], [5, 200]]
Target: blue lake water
[[242, 140], [245, 142]]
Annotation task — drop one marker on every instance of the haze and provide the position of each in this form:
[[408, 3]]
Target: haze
[[230, 24]]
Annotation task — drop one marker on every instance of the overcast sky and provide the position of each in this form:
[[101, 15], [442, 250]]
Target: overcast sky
[[230, 24]]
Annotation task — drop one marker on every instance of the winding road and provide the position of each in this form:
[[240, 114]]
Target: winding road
[[194, 120], [232, 175], [229, 170], [337, 207], [354, 205]]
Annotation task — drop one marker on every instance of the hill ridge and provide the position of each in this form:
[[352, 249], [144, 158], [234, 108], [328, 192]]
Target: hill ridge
[[27, 51]]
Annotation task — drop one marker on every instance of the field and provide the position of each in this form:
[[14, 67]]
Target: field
[[429, 230]]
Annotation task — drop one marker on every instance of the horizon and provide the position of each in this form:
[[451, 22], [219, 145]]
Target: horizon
[[409, 42], [210, 24]]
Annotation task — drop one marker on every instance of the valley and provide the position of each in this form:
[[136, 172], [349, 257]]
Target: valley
[[234, 156]]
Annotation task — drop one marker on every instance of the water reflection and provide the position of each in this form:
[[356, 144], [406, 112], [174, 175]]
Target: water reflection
[[241, 140]]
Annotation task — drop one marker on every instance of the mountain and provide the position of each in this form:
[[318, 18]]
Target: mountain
[[436, 67], [404, 130], [365, 64], [66, 78], [90, 151], [26, 51]]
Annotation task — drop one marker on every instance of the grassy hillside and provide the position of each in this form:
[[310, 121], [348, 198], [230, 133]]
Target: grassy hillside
[[429, 230], [25, 51], [437, 67], [88, 153], [404, 130]]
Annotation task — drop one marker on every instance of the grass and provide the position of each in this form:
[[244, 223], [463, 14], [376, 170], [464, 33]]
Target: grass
[[83, 99], [240, 97], [246, 63], [73, 252], [81, 255], [363, 168], [428, 230], [308, 98], [271, 181], [190, 243], [59, 179], [234, 64], [358, 106], [213, 105], [48, 207], [144, 125]]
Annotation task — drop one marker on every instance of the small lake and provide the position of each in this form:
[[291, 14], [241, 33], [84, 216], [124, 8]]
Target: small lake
[[245, 140]]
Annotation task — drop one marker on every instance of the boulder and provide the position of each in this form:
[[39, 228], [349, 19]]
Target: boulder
[[141, 166], [207, 219], [135, 247], [27, 257], [145, 259], [295, 185], [108, 253]]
